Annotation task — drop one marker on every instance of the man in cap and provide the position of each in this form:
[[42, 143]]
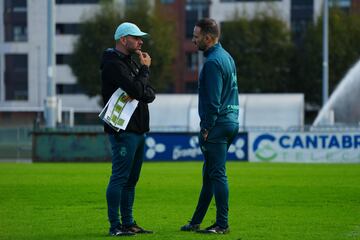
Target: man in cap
[[119, 70]]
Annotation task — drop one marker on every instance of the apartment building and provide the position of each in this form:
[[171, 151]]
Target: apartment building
[[23, 49], [296, 13], [23, 59]]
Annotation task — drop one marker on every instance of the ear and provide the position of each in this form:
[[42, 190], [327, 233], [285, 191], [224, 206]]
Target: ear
[[123, 40], [208, 38]]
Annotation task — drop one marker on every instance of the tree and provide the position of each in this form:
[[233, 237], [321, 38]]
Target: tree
[[96, 34], [162, 43], [344, 51], [262, 50]]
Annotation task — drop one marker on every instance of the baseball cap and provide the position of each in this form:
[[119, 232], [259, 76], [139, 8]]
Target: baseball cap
[[126, 29]]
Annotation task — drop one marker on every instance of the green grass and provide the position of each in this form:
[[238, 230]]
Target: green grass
[[267, 201]]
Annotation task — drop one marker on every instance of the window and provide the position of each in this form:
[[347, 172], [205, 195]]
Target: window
[[15, 6], [68, 89], [248, 0], [76, 1], [63, 59], [195, 10], [192, 61], [68, 28], [167, 1], [301, 15], [16, 77], [15, 20], [19, 33]]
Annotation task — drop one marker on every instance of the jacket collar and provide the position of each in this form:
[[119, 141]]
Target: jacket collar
[[211, 49], [119, 54]]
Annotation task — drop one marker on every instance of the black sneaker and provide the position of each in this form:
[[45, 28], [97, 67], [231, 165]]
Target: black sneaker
[[134, 228], [215, 229], [190, 227], [118, 231]]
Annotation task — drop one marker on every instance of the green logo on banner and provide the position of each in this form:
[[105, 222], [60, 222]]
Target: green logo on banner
[[262, 147], [265, 153]]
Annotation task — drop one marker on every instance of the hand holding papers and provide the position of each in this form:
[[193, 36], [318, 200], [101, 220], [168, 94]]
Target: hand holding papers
[[118, 110]]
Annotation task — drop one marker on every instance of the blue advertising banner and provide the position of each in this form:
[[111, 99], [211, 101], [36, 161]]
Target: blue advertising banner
[[185, 147]]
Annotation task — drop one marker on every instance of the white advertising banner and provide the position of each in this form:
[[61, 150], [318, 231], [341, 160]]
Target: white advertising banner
[[304, 147]]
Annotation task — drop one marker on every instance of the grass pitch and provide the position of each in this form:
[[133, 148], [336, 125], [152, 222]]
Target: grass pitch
[[267, 201]]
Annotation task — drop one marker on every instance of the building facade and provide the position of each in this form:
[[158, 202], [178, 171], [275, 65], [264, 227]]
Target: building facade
[[23, 59], [23, 49]]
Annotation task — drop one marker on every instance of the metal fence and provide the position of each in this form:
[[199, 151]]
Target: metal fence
[[15, 143]]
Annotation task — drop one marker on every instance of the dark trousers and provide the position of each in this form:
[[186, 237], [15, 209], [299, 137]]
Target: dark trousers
[[127, 158], [214, 179]]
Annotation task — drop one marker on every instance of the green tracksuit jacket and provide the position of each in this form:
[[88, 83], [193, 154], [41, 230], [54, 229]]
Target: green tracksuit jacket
[[218, 91]]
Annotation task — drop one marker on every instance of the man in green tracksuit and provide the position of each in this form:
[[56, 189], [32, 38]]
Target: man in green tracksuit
[[218, 111]]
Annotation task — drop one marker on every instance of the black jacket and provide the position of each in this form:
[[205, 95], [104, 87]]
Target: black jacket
[[120, 70]]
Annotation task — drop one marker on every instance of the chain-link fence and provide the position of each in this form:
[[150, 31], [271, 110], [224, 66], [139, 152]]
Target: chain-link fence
[[15, 143]]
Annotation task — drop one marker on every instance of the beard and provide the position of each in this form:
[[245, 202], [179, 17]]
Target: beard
[[201, 46], [131, 48]]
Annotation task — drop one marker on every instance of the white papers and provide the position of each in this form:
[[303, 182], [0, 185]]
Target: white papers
[[118, 110]]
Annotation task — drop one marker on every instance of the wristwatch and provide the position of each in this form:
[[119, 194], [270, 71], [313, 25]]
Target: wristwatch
[[204, 131]]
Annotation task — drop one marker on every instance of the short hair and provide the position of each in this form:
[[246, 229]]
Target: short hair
[[209, 26]]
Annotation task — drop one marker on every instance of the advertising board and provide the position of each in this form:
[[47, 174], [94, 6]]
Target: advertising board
[[185, 147], [304, 147]]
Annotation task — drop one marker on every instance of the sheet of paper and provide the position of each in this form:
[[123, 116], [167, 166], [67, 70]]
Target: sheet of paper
[[118, 110]]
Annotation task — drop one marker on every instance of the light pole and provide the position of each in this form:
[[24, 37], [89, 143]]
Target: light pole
[[50, 101], [325, 83]]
